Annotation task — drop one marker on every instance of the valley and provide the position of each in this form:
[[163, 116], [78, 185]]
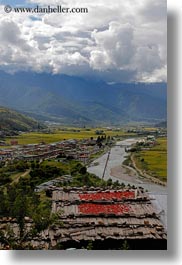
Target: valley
[[108, 145], [41, 169]]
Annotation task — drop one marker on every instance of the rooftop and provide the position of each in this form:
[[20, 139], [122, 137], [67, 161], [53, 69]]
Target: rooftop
[[100, 214]]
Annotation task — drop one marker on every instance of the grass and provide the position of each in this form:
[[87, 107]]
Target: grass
[[154, 161], [60, 135]]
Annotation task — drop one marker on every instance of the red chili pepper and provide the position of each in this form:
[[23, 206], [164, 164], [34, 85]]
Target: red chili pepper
[[91, 208], [108, 195]]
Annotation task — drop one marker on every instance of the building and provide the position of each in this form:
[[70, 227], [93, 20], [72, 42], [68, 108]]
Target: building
[[105, 217], [14, 142]]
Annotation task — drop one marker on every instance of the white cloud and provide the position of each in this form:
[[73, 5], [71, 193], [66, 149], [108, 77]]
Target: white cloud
[[10, 35], [116, 44], [113, 38], [158, 75]]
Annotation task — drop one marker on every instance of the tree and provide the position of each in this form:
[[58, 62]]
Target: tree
[[4, 179], [90, 245], [116, 183], [3, 204], [33, 165], [86, 180], [20, 201], [125, 245], [20, 210], [98, 140], [83, 170], [109, 182], [108, 138]]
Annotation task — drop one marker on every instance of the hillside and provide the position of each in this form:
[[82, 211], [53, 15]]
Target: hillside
[[11, 120], [75, 100], [162, 124]]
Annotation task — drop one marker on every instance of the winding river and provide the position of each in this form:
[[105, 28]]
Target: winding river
[[117, 172]]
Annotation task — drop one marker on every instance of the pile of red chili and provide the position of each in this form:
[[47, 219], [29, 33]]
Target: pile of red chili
[[107, 195], [91, 208]]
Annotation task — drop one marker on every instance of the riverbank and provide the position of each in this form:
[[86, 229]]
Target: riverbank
[[118, 172], [127, 175], [145, 175]]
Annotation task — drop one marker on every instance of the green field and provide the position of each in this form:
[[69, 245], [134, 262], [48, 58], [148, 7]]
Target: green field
[[59, 135], [154, 161]]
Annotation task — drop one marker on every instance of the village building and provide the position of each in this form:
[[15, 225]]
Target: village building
[[79, 150], [107, 218], [13, 142]]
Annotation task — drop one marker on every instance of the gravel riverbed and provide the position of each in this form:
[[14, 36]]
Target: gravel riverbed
[[116, 171]]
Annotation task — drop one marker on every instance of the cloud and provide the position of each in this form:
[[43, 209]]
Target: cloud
[[114, 47], [119, 40], [10, 34], [154, 10]]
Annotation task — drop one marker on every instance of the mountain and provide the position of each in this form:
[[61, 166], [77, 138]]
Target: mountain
[[11, 120], [76, 100], [162, 124]]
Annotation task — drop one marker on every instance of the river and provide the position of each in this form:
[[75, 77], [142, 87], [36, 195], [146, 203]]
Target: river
[[116, 171]]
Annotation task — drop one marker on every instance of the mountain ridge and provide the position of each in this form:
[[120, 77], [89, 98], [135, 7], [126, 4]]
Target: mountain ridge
[[75, 100]]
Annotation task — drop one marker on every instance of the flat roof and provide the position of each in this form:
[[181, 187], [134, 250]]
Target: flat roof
[[98, 214]]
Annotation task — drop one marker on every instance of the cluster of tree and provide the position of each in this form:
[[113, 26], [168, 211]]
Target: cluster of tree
[[4, 179], [103, 138], [20, 166], [79, 175], [41, 173], [19, 201], [100, 139], [15, 166]]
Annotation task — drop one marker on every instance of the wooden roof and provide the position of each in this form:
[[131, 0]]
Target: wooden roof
[[140, 221], [137, 220]]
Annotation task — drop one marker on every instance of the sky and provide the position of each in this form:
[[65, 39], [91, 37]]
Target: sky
[[117, 40]]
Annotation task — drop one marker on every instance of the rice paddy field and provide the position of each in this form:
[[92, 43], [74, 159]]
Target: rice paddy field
[[63, 134], [154, 160]]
